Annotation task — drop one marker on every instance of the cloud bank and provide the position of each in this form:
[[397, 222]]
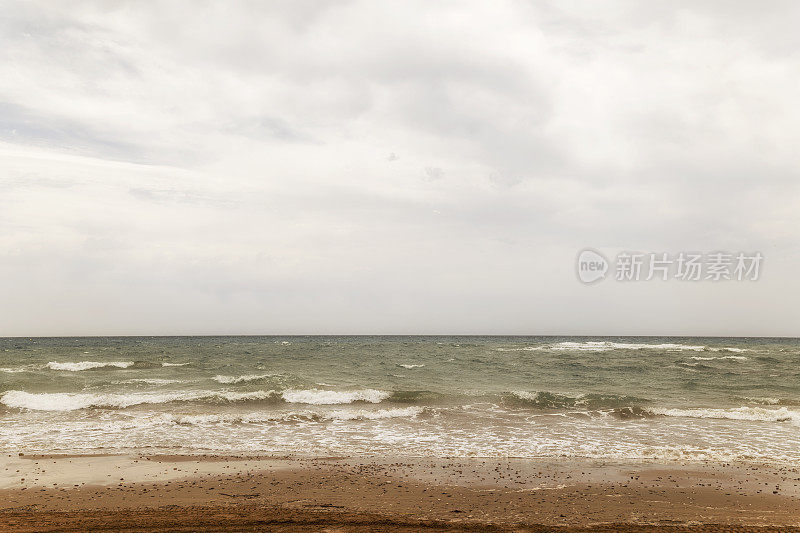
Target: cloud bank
[[392, 167]]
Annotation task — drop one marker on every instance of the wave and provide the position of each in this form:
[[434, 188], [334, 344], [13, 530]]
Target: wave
[[93, 365], [149, 381], [14, 370], [694, 366], [410, 366], [736, 413], [330, 397], [87, 365], [415, 396], [631, 413], [769, 401], [712, 358], [227, 380], [604, 346], [299, 416], [67, 401], [146, 364], [551, 400]]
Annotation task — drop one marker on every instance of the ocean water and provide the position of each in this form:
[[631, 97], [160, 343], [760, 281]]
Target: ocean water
[[684, 399]]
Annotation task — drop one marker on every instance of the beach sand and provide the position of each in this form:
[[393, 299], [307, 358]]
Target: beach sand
[[218, 493]]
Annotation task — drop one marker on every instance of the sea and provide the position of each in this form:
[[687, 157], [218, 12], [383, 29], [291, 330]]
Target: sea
[[615, 398]]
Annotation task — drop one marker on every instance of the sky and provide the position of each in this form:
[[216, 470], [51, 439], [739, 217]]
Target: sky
[[409, 167]]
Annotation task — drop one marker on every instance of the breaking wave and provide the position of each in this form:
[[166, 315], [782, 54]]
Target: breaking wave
[[299, 416], [68, 401], [64, 401], [88, 365], [149, 381], [605, 346], [769, 401], [758, 414], [94, 365], [227, 380], [551, 400], [712, 358], [330, 397], [14, 370]]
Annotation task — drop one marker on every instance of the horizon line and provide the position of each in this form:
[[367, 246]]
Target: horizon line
[[209, 335]]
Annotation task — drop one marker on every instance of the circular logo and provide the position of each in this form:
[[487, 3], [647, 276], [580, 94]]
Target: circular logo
[[592, 266]]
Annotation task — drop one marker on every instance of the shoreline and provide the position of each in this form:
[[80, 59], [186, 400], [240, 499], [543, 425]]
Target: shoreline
[[157, 492]]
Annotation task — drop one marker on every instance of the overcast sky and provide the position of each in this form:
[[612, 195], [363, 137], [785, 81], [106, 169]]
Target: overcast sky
[[393, 167]]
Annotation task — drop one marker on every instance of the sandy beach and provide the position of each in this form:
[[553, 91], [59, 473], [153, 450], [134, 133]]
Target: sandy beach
[[399, 434], [246, 493]]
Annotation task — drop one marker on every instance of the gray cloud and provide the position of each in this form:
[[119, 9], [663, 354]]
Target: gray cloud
[[25, 126], [357, 167]]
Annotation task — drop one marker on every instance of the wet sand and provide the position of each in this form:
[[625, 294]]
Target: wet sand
[[214, 493]]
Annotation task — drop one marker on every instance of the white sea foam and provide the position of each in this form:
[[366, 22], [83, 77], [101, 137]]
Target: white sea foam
[[87, 365], [295, 416], [241, 379], [73, 401], [602, 346], [525, 395], [330, 397], [362, 414], [736, 413], [64, 401], [409, 366], [14, 370], [762, 401], [175, 364], [149, 381], [712, 358], [605, 346]]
